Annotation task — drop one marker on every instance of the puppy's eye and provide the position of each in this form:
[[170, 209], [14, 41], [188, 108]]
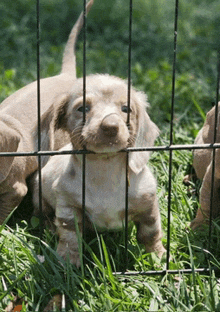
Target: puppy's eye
[[125, 109], [81, 109]]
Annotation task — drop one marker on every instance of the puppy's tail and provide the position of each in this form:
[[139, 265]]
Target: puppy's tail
[[69, 57]]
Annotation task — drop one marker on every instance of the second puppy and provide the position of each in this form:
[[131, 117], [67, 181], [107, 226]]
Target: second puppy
[[105, 132], [203, 163]]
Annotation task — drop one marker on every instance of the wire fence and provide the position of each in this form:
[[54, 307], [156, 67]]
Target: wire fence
[[170, 148]]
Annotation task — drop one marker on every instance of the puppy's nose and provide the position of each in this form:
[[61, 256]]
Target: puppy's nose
[[110, 125]]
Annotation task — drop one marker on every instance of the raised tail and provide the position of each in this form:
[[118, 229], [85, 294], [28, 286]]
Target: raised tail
[[69, 56]]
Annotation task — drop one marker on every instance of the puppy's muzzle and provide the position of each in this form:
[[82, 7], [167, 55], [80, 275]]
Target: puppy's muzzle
[[110, 125]]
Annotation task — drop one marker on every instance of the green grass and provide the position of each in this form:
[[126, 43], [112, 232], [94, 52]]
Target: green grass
[[29, 266], [32, 269]]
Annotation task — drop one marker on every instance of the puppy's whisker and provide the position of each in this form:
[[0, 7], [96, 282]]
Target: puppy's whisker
[[77, 143], [131, 140], [77, 129], [76, 138]]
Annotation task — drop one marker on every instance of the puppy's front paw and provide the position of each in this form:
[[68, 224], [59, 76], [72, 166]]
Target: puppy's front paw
[[160, 252], [200, 220], [68, 246], [54, 303], [157, 248], [198, 223], [69, 251]]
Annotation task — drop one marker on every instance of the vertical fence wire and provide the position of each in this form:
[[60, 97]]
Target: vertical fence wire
[[171, 134], [128, 125], [39, 114], [129, 61], [84, 120]]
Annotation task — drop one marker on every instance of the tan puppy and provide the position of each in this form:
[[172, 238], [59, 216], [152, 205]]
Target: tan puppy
[[202, 163], [18, 116], [105, 133]]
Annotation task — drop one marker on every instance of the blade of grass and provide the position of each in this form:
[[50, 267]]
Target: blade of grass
[[109, 269], [198, 107]]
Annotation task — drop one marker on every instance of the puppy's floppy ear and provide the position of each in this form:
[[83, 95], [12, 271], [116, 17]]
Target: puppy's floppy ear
[[147, 132], [60, 116], [53, 119], [9, 141]]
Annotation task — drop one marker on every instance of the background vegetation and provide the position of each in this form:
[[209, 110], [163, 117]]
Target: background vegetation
[[107, 46], [36, 278]]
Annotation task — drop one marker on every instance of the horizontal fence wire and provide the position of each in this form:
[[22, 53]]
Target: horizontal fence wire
[[164, 272], [129, 149], [162, 148]]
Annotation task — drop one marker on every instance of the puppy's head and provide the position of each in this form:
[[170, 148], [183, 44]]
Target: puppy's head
[[105, 129]]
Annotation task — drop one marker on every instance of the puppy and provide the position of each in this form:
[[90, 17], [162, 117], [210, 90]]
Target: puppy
[[202, 162], [18, 116], [13, 170], [105, 133]]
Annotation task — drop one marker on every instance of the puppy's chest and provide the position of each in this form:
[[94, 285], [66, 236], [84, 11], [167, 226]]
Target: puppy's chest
[[104, 194], [105, 205]]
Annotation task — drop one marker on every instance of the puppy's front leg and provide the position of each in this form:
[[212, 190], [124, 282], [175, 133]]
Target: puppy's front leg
[[149, 230], [68, 237], [203, 213]]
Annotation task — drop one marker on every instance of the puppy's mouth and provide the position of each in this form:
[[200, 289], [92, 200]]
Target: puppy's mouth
[[106, 147]]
